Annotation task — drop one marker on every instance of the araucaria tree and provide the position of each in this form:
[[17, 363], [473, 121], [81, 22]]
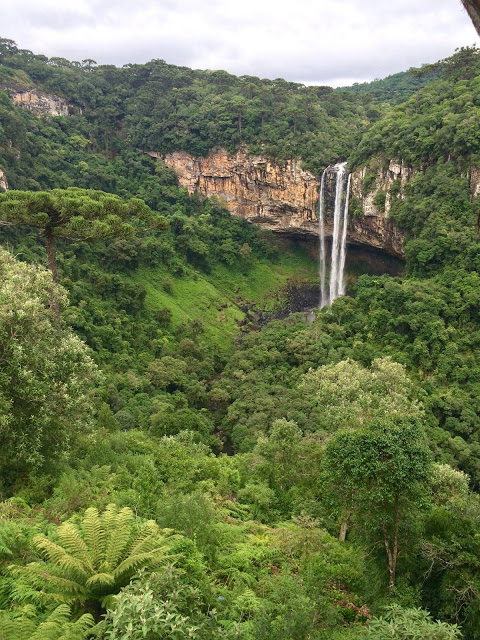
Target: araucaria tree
[[380, 473], [45, 372], [74, 214]]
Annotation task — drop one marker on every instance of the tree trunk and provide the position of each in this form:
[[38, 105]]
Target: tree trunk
[[392, 558], [344, 527], [51, 256], [52, 265], [472, 7], [392, 549]]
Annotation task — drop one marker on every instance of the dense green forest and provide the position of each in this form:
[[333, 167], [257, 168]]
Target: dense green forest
[[117, 112], [177, 460]]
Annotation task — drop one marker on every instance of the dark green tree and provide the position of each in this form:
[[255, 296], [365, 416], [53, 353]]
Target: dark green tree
[[381, 474], [74, 214]]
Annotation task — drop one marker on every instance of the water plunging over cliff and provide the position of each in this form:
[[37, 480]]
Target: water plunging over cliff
[[321, 233], [339, 236]]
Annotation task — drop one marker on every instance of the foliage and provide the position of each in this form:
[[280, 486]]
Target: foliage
[[403, 624], [439, 122], [72, 213], [398, 87], [161, 605], [450, 551], [329, 424], [89, 561], [379, 475], [117, 112], [349, 395], [46, 373], [26, 624]]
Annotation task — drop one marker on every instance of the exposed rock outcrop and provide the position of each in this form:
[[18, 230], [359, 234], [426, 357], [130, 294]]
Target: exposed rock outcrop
[[3, 181], [284, 197], [382, 180], [39, 103], [374, 189], [276, 196], [474, 180]]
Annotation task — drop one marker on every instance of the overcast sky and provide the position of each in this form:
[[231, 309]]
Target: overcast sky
[[334, 42]]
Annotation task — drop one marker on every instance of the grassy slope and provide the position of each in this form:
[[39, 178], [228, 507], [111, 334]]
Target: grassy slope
[[213, 298]]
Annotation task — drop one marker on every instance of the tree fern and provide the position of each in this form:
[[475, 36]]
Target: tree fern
[[71, 540], [92, 560], [59, 557], [25, 624], [15, 546], [39, 584]]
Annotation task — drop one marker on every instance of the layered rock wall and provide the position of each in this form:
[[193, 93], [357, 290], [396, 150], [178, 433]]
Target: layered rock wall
[[277, 196], [474, 180], [368, 183], [3, 181], [39, 103]]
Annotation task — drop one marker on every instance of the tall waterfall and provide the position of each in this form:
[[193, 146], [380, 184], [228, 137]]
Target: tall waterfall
[[321, 233], [339, 236], [343, 249]]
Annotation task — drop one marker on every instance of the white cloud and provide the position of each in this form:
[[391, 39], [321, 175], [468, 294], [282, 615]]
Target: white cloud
[[323, 42]]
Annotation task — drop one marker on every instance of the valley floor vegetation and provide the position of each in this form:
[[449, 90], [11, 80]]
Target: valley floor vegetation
[[172, 465]]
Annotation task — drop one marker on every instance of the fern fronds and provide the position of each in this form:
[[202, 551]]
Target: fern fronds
[[92, 560], [153, 558], [57, 555], [59, 627], [94, 536], [101, 580], [70, 539], [119, 536], [24, 624], [40, 583], [20, 629], [146, 539]]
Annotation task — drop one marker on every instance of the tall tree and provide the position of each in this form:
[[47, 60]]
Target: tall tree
[[74, 214], [349, 395], [46, 373], [381, 474]]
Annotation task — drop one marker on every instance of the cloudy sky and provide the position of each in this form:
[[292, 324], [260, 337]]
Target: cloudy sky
[[334, 42]]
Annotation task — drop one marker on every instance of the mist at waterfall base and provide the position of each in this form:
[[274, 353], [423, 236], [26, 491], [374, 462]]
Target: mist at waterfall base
[[339, 235]]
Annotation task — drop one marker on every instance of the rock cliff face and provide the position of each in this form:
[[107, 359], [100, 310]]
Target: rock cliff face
[[474, 179], [370, 186], [284, 197], [39, 103], [279, 197], [3, 182]]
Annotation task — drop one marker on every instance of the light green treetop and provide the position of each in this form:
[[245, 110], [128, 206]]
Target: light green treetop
[[46, 374], [350, 395]]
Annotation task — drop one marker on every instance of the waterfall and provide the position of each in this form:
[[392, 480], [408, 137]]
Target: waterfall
[[321, 233], [343, 250], [339, 236]]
